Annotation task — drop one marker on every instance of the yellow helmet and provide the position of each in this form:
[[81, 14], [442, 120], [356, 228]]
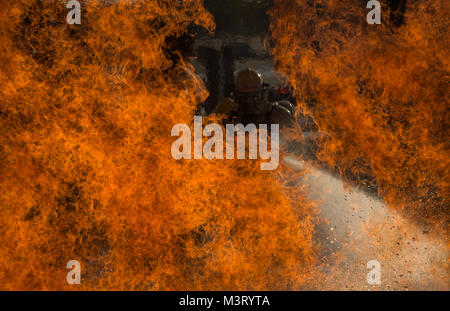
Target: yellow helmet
[[226, 106], [248, 81]]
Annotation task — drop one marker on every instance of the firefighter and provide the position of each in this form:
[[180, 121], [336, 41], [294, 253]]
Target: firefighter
[[250, 103]]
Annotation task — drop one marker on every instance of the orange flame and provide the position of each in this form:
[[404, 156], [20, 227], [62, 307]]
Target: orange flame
[[378, 91], [86, 170]]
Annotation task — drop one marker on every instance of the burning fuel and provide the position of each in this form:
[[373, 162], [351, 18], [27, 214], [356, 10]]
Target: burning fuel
[[93, 180], [379, 92], [86, 168]]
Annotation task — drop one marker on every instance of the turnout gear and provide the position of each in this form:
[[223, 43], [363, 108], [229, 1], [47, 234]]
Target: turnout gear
[[250, 103], [248, 81]]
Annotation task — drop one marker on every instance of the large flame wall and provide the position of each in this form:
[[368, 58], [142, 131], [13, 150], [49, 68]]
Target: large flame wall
[[379, 92], [86, 113]]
